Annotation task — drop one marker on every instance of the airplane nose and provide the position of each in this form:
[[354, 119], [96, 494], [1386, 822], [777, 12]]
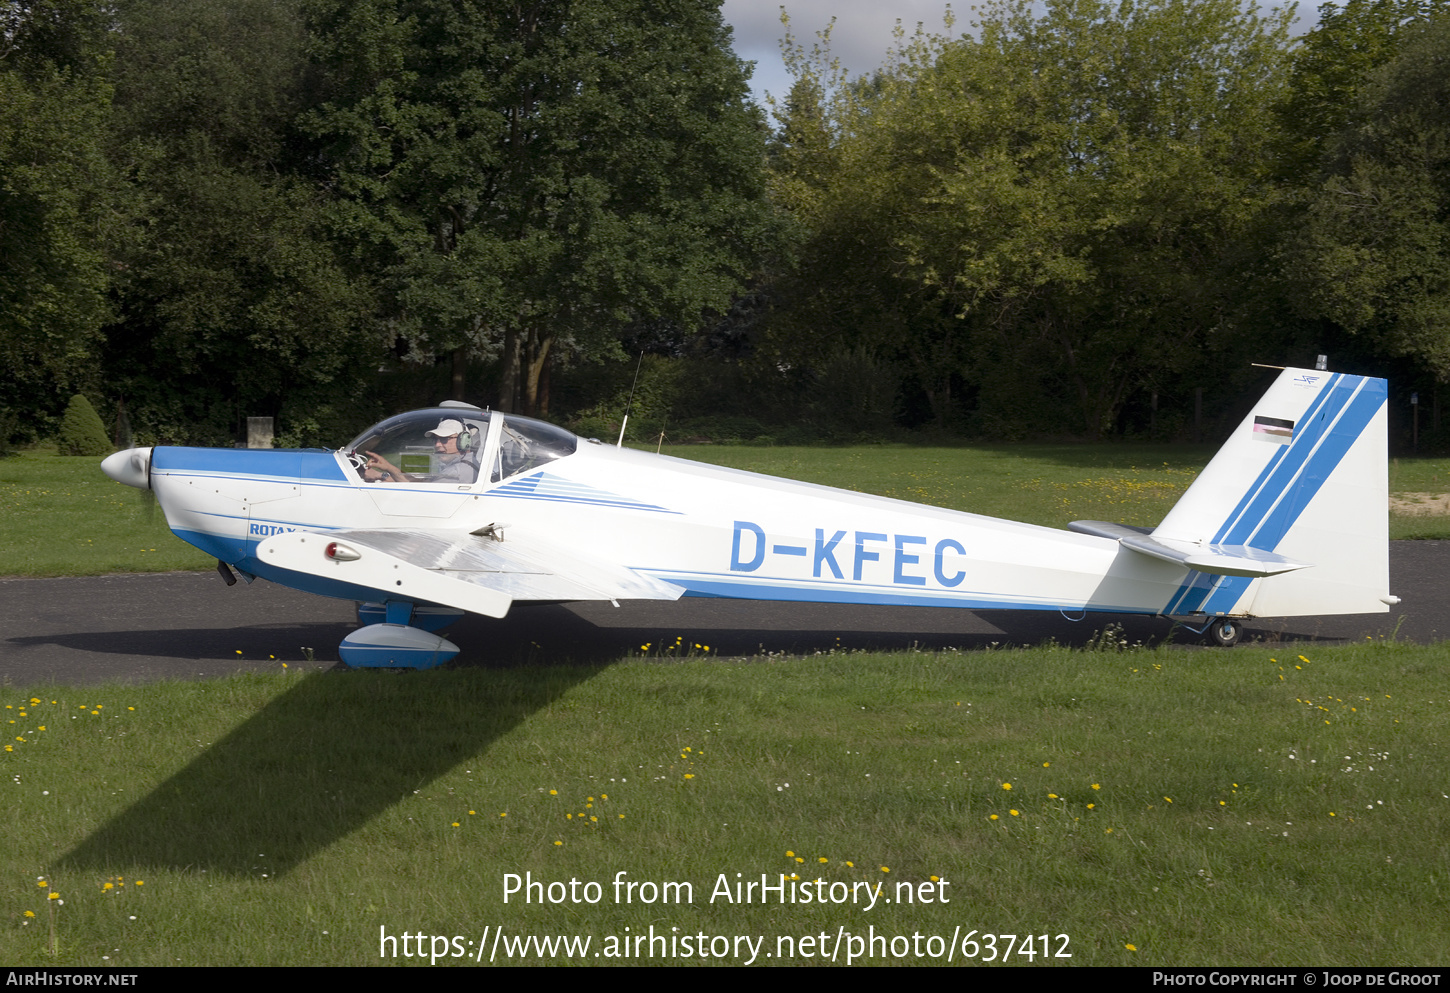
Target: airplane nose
[[132, 467]]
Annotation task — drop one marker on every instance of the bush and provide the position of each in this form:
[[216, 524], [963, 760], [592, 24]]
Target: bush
[[81, 430], [9, 428]]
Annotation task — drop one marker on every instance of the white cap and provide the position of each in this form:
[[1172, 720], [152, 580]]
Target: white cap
[[446, 428]]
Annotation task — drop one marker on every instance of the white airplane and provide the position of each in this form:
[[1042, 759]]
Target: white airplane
[[436, 512]]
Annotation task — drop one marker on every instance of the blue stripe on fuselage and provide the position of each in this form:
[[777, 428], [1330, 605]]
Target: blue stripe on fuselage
[[724, 589], [286, 463]]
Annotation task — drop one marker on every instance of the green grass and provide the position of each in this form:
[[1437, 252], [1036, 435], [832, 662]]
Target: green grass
[[1048, 485], [1419, 475], [62, 517], [1251, 807], [1246, 807]]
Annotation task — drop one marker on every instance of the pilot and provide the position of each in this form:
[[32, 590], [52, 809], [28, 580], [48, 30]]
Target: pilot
[[454, 448]]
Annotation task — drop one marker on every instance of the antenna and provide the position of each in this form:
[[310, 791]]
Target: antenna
[[630, 402]]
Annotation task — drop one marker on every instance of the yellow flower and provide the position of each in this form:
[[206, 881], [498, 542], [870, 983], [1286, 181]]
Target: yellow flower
[[689, 775], [558, 843], [885, 869], [1091, 806], [1013, 813], [992, 818], [823, 860], [790, 855], [1168, 798], [1096, 786], [1006, 786], [1131, 948], [1052, 796], [553, 793], [30, 913]]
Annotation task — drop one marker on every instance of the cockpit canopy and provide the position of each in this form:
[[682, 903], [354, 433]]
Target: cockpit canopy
[[498, 445]]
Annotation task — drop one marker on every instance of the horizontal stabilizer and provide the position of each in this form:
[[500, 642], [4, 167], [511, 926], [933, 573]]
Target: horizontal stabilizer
[[1215, 560]]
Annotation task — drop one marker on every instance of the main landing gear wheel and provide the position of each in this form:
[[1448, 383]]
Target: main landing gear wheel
[[1225, 632]]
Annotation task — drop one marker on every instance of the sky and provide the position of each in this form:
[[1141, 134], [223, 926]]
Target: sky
[[860, 38]]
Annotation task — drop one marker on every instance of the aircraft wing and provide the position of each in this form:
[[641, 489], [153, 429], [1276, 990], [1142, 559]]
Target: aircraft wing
[[480, 573], [1216, 560]]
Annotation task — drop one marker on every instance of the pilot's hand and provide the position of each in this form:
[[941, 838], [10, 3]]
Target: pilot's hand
[[378, 467]]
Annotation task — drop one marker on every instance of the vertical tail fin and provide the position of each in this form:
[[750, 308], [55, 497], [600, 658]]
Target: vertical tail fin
[[1306, 476]]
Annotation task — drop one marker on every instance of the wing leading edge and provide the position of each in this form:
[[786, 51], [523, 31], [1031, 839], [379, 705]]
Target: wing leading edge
[[478, 573]]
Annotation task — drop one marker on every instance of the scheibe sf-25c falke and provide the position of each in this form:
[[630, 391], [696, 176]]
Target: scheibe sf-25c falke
[[436, 512]]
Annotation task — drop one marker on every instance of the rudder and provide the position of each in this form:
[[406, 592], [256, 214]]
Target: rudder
[[1305, 475]]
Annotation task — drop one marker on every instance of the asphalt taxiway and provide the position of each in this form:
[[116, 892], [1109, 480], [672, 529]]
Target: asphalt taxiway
[[137, 628]]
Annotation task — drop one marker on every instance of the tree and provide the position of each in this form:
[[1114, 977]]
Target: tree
[[81, 431], [1330, 65], [1051, 209], [233, 300], [531, 177], [56, 193], [1374, 253]]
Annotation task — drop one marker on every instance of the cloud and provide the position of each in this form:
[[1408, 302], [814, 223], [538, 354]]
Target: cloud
[[860, 39]]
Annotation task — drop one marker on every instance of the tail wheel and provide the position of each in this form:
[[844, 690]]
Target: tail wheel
[[1225, 632]]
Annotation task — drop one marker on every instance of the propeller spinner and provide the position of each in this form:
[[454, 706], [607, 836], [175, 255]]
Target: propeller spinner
[[132, 467]]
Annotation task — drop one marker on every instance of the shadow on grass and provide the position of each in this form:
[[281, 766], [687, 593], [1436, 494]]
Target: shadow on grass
[[336, 750], [316, 763]]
